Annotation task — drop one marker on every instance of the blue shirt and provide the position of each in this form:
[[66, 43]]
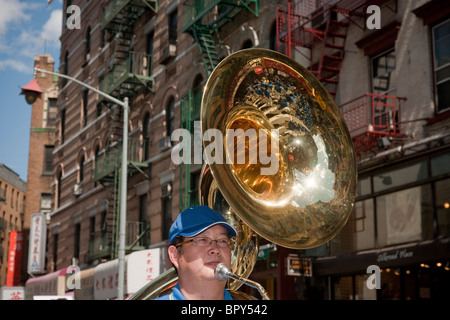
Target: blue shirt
[[177, 295]]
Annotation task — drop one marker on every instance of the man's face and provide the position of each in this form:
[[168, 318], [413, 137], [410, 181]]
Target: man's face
[[195, 263]]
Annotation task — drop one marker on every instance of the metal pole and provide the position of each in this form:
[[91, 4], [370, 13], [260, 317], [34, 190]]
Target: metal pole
[[123, 204], [124, 175]]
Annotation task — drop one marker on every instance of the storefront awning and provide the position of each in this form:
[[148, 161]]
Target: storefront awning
[[49, 284], [395, 256]]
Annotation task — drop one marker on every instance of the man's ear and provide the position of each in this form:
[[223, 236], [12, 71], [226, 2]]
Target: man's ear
[[174, 255]]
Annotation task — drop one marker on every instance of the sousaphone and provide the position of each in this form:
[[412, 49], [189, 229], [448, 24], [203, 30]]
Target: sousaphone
[[284, 166]]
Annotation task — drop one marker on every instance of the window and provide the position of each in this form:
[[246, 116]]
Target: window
[[383, 76], [145, 240], [408, 174], [173, 25], [92, 231], [81, 170], [404, 216], [85, 107], [48, 159], [193, 192], [12, 198], [66, 69], [273, 37], [170, 117], [359, 232], [146, 136], [443, 206], [51, 113], [76, 251], [97, 157], [63, 126], [88, 43], [197, 93], [440, 164], [441, 46], [58, 190], [55, 251], [167, 216], [46, 202], [150, 42]]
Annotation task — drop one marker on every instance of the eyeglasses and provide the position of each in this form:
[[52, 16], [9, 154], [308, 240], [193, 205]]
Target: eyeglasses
[[206, 242]]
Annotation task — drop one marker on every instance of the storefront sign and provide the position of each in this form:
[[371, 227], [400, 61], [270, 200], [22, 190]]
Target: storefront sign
[[14, 258], [143, 266], [398, 254], [106, 280], [36, 251], [12, 293]]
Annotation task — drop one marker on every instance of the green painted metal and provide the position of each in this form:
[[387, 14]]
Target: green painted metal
[[190, 107], [203, 19], [113, 15], [128, 75]]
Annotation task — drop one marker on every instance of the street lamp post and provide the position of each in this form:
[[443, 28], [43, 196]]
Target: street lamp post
[[124, 172]]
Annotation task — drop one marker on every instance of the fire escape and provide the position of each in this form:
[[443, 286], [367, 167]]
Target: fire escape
[[203, 20], [128, 71], [318, 30]]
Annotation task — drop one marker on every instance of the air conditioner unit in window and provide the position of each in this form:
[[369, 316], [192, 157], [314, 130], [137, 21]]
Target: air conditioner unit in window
[[169, 53], [166, 190], [164, 143], [77, 189]]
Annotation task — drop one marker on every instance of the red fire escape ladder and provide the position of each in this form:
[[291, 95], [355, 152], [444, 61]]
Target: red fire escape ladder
[[315, 26], [333, 34]]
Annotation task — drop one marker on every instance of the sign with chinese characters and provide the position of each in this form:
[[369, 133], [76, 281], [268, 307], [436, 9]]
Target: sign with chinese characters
[[143, 266], [14, 258], [106, 280], [36, 251], [12, 293]]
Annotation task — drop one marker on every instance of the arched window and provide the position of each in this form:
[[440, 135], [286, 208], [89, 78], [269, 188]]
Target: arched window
[[58, 189], [81, 170]]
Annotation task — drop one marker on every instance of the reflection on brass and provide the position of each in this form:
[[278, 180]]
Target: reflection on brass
[[309, 199]]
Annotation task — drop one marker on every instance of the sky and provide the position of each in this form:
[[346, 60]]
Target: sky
[[27, 28]]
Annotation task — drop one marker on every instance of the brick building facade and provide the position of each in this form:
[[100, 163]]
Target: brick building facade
[[12, 208]]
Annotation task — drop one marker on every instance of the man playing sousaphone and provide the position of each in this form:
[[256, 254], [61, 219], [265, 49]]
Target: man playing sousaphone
[[199, 240]]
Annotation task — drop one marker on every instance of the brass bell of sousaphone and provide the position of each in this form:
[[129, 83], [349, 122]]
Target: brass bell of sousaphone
[[279, 148]]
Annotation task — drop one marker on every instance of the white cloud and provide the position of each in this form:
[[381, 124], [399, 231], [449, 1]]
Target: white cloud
[[52, 28], [12, 12], [14, 65], [28, 28]]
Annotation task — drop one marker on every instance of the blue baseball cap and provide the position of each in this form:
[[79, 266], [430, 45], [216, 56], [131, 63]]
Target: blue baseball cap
[[195, 220]]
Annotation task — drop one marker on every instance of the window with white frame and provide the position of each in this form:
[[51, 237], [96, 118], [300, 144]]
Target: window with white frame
[[441, 48]]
